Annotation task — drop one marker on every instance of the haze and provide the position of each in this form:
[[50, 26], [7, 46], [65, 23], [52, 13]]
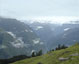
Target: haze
[[47, 10]]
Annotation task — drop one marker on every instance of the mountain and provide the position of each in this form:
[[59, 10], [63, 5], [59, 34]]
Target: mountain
[[68, 36], [65, 56], [54, 34], [17, 38], [44, 31]]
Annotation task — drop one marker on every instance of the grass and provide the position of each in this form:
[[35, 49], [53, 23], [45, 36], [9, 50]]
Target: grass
[[53, 57]]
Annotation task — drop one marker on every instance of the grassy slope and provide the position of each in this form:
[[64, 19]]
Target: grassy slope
[[52, 57]]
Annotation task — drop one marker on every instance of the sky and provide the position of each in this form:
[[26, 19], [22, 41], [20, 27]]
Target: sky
[[50, 10]]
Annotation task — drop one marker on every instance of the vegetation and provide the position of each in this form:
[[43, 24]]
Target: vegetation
[[33, 54], [15, 58], [20, 57], [39, 53], [64, 56], [61, 47]]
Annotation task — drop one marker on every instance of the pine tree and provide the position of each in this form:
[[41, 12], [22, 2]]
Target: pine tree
[[33, 54], [39, 53]]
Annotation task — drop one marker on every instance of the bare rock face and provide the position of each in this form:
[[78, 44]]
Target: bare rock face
[[76, 54], [66, 52], [63, 59]]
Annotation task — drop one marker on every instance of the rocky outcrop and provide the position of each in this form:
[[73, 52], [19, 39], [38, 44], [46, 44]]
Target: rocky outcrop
[[76, 54], [63, 59]]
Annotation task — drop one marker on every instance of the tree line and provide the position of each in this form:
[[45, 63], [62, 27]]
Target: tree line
[[20, 57], [59, 47], [34, 54]]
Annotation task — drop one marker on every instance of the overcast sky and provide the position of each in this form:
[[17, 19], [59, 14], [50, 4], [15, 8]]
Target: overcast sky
[[27, 9]]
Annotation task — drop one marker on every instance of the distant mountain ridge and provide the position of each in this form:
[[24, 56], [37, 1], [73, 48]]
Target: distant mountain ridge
[[54, 34], [17, 38]]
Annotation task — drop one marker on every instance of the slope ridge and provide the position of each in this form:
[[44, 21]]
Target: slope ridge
[[64, 56]]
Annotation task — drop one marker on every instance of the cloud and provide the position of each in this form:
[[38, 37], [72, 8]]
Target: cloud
[[36, 8], [54, 19]]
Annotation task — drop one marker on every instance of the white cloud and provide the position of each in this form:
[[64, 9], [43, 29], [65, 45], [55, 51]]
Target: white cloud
[[53, 19], [9, 8]]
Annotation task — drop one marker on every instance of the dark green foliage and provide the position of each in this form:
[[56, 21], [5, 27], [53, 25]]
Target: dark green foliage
[[39, 53], [20, 57], [39, 63], [14, 59], [52, 49], [61, 47], [33, 54]]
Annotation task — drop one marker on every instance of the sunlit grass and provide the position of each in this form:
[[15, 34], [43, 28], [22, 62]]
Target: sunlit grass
[[53, 57]]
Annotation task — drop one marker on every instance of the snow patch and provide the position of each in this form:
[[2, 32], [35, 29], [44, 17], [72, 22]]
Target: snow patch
[[18, 43], [66, 29], [26, 30], [13, 35], [38, 27], [32, 51], [36, 41]]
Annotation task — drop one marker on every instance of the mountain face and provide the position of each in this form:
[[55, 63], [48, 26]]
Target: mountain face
[[42, 30], [68, 36], [17, 38], [54, 34]]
